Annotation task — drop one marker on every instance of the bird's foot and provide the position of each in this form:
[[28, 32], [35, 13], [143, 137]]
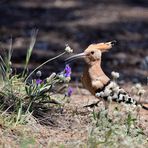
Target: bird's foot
[[92, 105]]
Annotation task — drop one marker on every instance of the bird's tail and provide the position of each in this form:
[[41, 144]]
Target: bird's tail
[[124, 97], [115, 93]]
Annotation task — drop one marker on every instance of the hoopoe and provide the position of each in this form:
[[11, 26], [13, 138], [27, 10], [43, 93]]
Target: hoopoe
[[95, 80]]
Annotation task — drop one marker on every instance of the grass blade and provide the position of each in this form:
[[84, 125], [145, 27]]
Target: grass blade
[[30, 49]]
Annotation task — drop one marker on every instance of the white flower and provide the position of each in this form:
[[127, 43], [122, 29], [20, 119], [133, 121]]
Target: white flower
[[141, 92], [138, 107], [133, 106], [68, 49], [138, 89], [138, 86], [115, 74]]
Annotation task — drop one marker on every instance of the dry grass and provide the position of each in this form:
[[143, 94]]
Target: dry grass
[[70, 128]]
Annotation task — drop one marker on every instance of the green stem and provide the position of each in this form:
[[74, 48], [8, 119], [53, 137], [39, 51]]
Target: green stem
[[30, 104], [44, 64]]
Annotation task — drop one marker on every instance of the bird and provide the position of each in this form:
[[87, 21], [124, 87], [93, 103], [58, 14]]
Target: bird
[[94, 78]]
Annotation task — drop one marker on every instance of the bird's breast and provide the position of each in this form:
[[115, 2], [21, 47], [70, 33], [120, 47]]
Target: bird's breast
[[86, 81]]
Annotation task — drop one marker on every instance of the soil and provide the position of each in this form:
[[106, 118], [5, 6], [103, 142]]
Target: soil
[[70, 127], [75, 121]]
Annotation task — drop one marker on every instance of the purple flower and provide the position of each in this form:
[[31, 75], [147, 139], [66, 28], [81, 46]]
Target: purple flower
[[38, 81], [67, 71], [70, 91]]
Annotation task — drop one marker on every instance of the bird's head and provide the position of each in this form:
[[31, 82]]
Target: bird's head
[[93, 52]]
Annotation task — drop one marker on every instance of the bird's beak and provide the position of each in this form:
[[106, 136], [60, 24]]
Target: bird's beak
[[74, 57]]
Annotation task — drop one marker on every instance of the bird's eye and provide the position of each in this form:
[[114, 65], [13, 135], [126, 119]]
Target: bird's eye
[[92, 52]]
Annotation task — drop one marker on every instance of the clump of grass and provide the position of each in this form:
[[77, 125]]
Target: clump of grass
[[119, 128], [20, 95]]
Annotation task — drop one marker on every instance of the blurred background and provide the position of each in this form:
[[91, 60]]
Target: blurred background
[[78, 23]]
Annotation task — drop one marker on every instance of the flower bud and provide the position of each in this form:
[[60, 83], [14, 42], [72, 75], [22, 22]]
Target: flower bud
[[68, 49], [51, 77], [70, 91], [138, 86], [61, 76], [39, 73], [141, 92], [10, 71], [139, 107], [115, 74], [10, 63]]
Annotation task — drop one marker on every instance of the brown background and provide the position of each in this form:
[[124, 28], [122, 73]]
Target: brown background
[[78, 23]]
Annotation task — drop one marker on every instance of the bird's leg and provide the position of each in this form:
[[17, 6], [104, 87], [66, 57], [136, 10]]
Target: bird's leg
[[93, 104]]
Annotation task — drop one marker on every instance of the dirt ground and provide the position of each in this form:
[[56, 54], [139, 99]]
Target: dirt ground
[[74, 124], [71, 127]]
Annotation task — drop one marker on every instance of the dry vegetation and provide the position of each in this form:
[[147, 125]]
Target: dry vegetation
[[70, 128]]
